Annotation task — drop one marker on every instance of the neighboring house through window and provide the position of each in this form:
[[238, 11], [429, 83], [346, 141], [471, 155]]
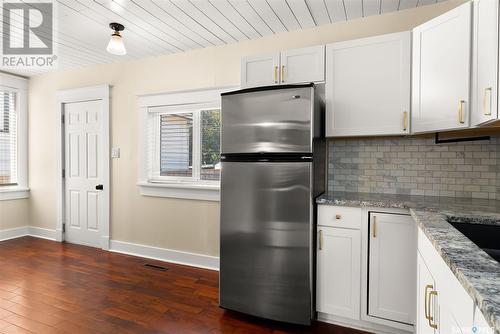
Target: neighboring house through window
[[180, 144]]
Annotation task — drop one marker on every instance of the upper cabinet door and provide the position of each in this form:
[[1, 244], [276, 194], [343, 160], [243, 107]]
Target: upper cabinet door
[[261, 70], [441, 72], [485, 62], [303, 65], [368, 86]]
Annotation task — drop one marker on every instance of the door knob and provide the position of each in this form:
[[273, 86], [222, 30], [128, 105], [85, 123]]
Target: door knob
[[99, 187]]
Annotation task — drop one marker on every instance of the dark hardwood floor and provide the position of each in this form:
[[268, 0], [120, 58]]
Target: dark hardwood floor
[[49, 287]]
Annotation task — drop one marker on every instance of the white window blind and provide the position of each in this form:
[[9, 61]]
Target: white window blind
[[8, 137], [184, 144], [176, 145]]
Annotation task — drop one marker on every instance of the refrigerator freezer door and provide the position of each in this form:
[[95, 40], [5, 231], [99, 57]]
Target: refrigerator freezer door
[[268, 121], [265, 267]]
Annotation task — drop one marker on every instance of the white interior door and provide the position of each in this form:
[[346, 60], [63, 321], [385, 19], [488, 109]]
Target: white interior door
[[85, 138]]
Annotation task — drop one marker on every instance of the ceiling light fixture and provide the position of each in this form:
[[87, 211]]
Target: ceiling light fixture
[[115, 45]]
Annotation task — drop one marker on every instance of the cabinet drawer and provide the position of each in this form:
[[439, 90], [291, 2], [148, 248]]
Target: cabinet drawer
[[339, 216]]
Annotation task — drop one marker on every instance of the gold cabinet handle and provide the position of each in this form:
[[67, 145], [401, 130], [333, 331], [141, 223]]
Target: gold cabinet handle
[[374, 226], [426, 309], [405, 121], [487, 100], [461, 113], [431, 319], [337, 216], [282, 73], [275, 74], [320, 241]]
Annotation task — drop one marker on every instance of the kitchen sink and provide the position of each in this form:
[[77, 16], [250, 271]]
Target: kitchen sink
[[486, 237]]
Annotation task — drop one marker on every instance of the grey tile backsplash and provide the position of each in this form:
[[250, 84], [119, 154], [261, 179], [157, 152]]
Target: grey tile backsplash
[[415, 166]]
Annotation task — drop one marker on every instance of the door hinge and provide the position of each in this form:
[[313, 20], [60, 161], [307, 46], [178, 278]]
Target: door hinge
[[64, 173], [64, 227], [62, 118]]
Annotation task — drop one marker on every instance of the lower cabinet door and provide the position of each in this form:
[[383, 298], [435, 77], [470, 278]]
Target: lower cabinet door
[[339, 271], [425, 323], [391, 267]]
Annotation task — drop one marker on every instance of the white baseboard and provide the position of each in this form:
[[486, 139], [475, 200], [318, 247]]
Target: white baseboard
[[43, 233], [13, 233], [167, 255], [32, 231], [156, 253]]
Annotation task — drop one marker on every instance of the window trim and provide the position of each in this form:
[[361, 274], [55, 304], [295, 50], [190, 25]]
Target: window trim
[[21, 189], [190, 100]]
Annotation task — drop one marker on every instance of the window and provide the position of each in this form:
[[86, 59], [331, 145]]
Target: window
[[13, 137], [8, 137], [180, 144], [177, 152]]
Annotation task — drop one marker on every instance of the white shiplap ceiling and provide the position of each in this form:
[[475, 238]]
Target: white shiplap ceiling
[[157, 27]]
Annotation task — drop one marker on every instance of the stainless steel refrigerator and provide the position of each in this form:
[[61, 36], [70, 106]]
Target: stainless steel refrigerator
[[273, 155]]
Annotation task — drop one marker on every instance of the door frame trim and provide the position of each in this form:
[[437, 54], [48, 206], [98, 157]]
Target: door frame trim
[[99, 92]]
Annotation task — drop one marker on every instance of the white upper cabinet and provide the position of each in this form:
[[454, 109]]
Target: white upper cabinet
[[261, 70], [441, 72], [288, 67], [485, 62], [392, 267], [303, 65], [368, 86]]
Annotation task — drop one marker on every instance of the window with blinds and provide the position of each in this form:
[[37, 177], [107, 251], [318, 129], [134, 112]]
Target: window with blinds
[[186, 145], [8, 138], [176, 144]]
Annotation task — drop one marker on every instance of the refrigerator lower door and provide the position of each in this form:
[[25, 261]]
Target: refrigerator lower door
[[266, 229]]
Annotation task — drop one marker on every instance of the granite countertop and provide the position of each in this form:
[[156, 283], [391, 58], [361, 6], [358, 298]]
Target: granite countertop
[[478, 273]]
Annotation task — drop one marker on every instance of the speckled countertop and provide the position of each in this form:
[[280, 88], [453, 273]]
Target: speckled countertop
[[478, 273]]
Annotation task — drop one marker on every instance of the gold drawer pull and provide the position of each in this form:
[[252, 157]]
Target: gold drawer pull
[[374, 226], [431, 319], [275, 74], [320, 241], [461, 113], [405, 121], [426, 309], [487, 100], [282, 73]]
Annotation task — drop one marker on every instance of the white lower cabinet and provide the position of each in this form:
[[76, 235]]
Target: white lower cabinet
[[338, 271], [443, 305], [426, 306], [391, 267], [366, 268]]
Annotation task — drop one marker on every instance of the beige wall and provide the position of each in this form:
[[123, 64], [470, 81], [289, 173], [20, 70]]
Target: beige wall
[[14, 213], [169, 223]]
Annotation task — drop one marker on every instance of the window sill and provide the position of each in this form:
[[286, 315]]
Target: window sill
[[11, 193], [203, 192]]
